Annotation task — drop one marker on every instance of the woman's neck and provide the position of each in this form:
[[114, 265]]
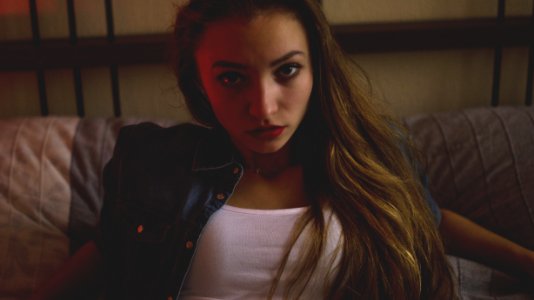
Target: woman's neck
[[268, 165]]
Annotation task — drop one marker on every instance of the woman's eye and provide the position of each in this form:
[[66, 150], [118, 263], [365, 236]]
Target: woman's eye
[[288, 71], [230, 78]]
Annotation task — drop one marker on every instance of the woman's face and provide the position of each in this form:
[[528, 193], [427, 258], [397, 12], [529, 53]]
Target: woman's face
[[257, 75]]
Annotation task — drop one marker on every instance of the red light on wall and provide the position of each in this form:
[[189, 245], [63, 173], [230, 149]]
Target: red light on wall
[[14, 7], [22, 7]]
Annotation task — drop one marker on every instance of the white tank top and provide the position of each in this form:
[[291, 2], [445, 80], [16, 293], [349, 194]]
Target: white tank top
[[239, 252]]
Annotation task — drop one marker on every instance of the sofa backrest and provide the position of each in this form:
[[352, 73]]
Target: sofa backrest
[[50, 192], [480, 163]]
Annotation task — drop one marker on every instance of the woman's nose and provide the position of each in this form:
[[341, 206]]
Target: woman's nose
[[263, 101]]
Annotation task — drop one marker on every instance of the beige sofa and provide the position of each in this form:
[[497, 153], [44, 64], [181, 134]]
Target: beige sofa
[[480, 163]]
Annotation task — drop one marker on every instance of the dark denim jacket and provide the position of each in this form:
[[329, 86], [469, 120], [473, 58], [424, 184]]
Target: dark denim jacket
[[161, 187]]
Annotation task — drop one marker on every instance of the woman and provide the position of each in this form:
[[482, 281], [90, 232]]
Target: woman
[[288, 119], [298, 189]]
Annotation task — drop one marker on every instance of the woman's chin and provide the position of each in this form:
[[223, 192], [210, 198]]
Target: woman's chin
[[263, 147], [268, 149]]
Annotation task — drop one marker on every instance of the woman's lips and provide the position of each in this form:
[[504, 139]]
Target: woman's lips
[[270, 132]]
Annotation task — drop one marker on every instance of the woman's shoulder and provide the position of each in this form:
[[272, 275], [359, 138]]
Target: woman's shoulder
[[150, 139], [153, 131]]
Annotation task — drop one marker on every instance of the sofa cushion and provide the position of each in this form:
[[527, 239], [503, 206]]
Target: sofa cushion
[[476, 281], [481, 164], [34, 200], [50, 193]]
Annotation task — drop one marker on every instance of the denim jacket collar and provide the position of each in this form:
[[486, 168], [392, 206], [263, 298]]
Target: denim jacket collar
[[214, 151]]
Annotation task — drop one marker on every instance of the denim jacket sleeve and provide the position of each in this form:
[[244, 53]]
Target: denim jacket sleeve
[[434, 208], [131, 236], [137, 223], [159, 193], [421, 175]]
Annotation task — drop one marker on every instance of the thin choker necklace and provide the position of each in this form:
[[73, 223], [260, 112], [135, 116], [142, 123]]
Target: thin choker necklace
[[270, 168], [266, 173]]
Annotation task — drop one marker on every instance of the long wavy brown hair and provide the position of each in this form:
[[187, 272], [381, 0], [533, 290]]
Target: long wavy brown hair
[[355, 160]]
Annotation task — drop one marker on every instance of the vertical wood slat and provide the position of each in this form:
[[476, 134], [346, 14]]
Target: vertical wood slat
[[73, 35], [113, 69], [497, 61], [530, 76], [76, 72], [36, 37], [110, 25], [530, 72], [34, 17]]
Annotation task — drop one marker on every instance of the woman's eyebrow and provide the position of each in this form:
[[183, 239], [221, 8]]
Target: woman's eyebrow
[[286, 57], [234, 65], [227, 64]]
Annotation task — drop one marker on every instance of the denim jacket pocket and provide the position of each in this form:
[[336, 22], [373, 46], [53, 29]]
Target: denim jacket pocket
[[143, 258], [143, 227]]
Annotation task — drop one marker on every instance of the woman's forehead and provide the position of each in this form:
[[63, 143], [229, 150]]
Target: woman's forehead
[[265, 36]]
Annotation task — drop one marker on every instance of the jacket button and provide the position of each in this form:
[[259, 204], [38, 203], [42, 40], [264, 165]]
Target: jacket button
[[235, 171], [189, 245], [170, 298], [140, 228], [220, 196]]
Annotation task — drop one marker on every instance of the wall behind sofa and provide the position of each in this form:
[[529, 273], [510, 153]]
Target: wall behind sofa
[[410, 82], [413, 82]]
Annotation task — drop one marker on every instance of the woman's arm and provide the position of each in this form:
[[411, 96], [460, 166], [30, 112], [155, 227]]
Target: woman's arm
[[78, 277], [467, 239]]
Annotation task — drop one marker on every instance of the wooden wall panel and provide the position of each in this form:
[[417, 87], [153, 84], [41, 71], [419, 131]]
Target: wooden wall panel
[[414, 82], [150, 90], [60, 92], [411, 81], [97, 92], [19, 95]]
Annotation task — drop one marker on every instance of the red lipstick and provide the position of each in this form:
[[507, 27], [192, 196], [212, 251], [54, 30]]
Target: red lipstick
[[270, 132]]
